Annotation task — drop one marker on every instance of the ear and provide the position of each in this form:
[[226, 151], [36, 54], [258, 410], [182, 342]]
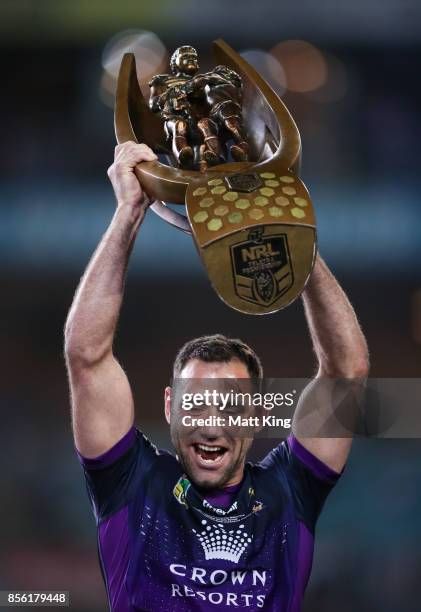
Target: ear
[[167, 403]]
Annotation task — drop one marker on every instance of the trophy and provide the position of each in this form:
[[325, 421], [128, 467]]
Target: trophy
[[233, 157]]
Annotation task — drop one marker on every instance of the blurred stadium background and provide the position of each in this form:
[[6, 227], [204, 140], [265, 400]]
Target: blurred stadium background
[[348, 72]]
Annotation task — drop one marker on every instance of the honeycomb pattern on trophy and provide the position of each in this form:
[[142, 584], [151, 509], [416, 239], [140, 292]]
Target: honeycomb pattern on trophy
[[222, 207]]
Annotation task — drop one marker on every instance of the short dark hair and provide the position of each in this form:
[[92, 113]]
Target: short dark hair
[[221, 349]]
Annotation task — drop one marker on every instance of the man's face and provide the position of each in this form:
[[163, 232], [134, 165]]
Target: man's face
[[213, 456], [187, 63]]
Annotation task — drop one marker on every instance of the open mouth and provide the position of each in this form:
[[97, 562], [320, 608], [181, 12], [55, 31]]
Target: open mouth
[[209, 454]]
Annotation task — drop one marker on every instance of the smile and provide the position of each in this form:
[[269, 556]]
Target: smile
[[211, 455]]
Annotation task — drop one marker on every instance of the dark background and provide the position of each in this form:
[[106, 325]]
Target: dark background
[[357, 107]]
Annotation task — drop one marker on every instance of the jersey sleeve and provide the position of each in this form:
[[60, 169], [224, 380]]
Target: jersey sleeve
[[112, 478], [310, 480]]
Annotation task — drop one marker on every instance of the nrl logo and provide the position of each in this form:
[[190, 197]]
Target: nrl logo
[[180, 490], [262, 269]]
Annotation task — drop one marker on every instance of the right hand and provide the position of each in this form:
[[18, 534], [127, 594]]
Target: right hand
[[127, 188]]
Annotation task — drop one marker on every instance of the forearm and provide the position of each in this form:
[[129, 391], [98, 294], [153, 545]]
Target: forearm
[[93, 317], [337, 338], [102, 401], [328, 409], [156, 103]]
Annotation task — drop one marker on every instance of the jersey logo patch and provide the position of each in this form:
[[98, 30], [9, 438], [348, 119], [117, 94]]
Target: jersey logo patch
[[220, 543], [180, 490]]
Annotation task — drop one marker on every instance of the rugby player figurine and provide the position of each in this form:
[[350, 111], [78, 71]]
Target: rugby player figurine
[[201, 530], [223, 90], [169, 98], [198, 110]]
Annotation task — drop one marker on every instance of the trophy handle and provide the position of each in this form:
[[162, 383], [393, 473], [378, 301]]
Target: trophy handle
[[171, 216], [272, 132], [133, 120], [266, 117]]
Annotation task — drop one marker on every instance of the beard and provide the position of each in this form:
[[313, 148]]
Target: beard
[[212, 481]]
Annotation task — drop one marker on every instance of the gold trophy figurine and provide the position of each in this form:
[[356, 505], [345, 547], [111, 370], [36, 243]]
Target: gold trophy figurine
[[198, 109], [234, 153]]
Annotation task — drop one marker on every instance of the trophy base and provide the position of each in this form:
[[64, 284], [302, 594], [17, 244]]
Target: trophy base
[[256, 235], [261, 270]]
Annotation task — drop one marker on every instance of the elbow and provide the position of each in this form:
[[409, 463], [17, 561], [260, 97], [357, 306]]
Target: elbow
[[356, 366], [154, 105], [358, 369], [363, 366], [80, 357], [82, 353]]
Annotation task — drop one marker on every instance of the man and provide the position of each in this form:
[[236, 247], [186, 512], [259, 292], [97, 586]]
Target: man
[[200, 531]]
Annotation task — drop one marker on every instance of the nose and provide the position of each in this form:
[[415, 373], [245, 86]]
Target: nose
[[215, 429], [211, 433]]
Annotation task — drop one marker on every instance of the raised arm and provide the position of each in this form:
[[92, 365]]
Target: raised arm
[[342, 353], [102, 404]]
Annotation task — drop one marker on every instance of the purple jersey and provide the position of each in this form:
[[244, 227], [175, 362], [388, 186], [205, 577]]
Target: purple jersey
[[165, 545]]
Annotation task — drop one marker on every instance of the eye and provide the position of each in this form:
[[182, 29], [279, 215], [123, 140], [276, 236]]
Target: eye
[[234, 409], [197, 409]]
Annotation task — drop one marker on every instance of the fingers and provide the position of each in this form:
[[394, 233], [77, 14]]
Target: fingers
[[131, 153]]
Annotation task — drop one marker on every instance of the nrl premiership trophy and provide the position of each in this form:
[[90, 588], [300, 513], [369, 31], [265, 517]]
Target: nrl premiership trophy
[[233, 157]]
